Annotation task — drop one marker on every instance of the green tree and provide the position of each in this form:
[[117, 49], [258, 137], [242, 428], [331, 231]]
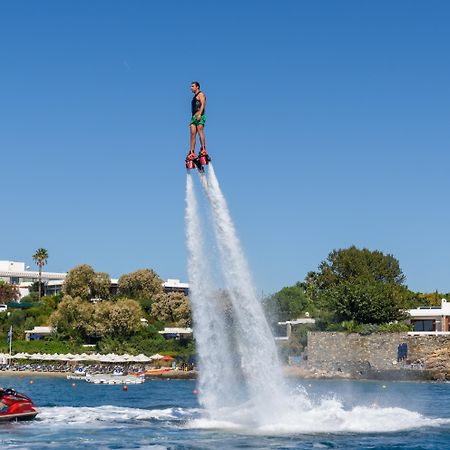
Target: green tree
[[83, 282], [121, 318], [8, 292], [345, 264], [358, 284], [173, 308], [139, 285], [77, 319], [288, 303], [74, 318], [40, 257], [365, 301]]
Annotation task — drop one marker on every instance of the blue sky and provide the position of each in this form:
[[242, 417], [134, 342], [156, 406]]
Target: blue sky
[[328, 124]]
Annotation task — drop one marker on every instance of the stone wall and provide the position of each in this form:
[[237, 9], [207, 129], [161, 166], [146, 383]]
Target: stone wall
[[367, 356]]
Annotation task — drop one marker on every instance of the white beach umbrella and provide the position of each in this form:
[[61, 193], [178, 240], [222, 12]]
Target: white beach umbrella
[[20, 356], [157, 356], [106, 358], [118, 359], [141, 358], [65, 357], [92, 357], [36, 356]]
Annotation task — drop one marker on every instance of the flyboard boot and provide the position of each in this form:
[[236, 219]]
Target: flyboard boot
[[203, 157], [190, 160]]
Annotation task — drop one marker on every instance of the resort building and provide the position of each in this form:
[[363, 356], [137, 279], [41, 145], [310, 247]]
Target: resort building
[[431, 320], [176, 333], [18, 273], [173, 285], [37, 333], [285, 329]]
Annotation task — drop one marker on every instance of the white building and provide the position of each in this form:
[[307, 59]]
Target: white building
[[37, 333], [289, 326], [431, 320], [176, 333], [18, 273], [174, 285]]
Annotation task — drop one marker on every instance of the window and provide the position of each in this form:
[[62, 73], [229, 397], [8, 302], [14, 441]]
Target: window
[[424, 325]]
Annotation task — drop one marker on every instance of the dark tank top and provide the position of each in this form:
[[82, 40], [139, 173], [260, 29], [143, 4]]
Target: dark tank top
[[196, 104]]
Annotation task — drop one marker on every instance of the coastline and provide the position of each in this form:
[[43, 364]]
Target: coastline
[[293, 372], [176, 374]]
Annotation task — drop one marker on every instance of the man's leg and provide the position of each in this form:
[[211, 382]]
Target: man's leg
[[193, 133], [201, 135]]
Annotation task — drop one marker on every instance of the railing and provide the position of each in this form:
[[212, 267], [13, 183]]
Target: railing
[[428, 333]]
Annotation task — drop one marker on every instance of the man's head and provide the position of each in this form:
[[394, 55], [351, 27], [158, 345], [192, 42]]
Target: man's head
[[195, 86]]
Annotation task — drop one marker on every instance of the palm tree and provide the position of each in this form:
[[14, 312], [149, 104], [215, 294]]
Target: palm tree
[[40, 258]]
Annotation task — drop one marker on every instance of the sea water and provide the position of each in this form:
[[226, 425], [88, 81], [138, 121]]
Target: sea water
[[165, 414]]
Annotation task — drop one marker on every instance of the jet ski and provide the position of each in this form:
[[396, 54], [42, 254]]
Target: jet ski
[[16, 406]]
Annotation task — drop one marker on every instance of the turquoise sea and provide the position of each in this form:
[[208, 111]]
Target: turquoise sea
[[165, 414]]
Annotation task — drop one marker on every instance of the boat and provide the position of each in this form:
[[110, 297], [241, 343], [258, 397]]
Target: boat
[[78, 374], [16, 406], [155, 371], [114, 379]]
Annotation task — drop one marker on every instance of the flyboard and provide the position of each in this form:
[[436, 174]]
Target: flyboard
[[197, 162]]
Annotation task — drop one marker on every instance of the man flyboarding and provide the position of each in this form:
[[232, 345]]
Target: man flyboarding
[[198, 109]]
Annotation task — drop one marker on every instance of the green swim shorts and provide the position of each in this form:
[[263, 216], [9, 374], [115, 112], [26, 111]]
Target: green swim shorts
[[195, 121]]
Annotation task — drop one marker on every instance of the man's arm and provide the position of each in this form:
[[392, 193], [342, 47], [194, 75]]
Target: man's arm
[[202, 98]]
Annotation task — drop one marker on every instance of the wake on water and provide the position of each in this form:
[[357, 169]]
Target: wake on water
[[326, 416], [329, 416], [241, 386]]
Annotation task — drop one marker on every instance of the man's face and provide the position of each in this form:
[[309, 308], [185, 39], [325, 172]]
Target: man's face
[[194, 88]]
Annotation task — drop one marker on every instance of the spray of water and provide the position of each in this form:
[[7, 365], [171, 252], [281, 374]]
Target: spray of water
[[250, 375], [216, 377], [259, 360]]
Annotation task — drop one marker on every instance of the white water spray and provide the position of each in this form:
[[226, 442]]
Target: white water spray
[[256, 345], [216, 377], [250, 375]]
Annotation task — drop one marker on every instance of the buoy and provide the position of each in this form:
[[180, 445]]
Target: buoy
[[73, 384], [384, 386], [31, 381], [125, 387], [195, 392]]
